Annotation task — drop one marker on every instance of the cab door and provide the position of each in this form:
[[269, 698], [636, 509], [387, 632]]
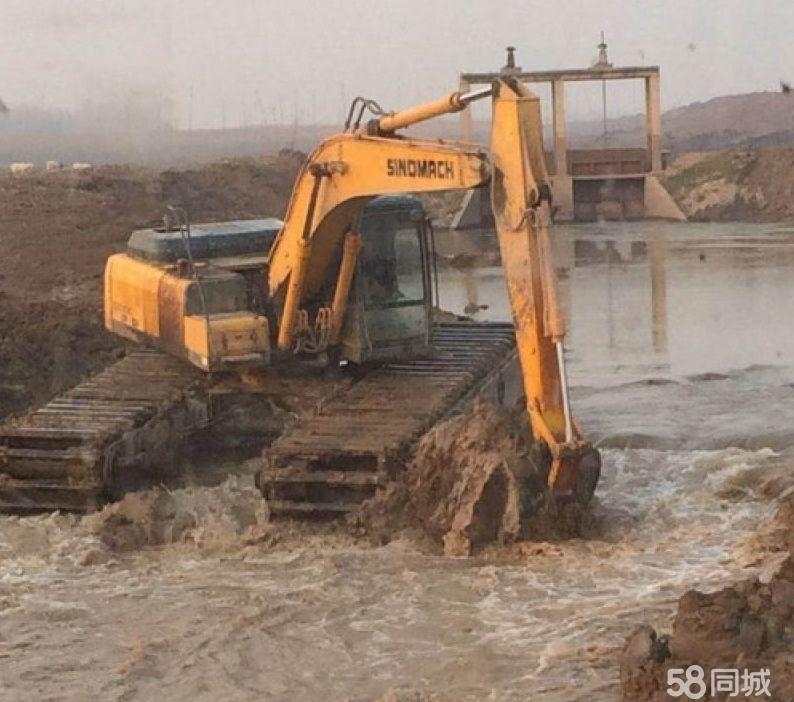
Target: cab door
[[392, 280]]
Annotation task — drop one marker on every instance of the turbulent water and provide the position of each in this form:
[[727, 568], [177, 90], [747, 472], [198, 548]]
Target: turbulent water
[[682, 365]]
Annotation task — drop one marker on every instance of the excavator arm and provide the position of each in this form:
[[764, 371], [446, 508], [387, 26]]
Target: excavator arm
[[521, 201], [347, 170]]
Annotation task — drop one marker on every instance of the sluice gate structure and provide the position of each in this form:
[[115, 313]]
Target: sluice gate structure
[[613, 183]]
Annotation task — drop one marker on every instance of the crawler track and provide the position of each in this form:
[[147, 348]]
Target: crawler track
[[83, 447], [327, 463]]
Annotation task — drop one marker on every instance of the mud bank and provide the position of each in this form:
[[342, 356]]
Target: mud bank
[[47, 347], [749, 625]]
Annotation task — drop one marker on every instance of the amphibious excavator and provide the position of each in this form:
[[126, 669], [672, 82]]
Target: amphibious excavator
[[344, 293]]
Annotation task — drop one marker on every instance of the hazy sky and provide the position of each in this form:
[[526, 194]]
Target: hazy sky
[[255, 60]]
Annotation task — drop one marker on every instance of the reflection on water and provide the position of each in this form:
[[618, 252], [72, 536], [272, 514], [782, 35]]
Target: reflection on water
[[652, 297], [657, 255]]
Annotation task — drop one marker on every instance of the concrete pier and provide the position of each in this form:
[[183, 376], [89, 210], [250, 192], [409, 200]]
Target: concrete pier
[[562, 183], [653, 121]]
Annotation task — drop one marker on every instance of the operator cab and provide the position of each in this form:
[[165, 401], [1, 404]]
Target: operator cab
[[388, 315]]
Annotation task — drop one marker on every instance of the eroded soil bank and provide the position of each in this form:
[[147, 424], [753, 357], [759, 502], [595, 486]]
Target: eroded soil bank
[[746, 626]]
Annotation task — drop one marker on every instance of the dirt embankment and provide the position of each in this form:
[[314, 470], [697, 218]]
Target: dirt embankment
[[57, 229], [749, 626], [734, 185]]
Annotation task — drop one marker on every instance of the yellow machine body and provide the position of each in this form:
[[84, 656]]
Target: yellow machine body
[[202, 317]]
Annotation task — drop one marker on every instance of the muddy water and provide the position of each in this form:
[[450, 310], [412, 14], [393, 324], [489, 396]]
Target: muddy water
[[682, 361]]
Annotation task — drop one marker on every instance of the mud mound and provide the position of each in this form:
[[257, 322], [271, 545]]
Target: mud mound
[[748, 626], [59, 228], [463, 482], [240, 188], [46, 348], [209, 517], [475, 479]]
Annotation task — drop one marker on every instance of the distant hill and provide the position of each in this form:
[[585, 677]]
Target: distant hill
[[753, 120]]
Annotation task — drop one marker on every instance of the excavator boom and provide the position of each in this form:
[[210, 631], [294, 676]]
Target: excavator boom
[[340, 177]]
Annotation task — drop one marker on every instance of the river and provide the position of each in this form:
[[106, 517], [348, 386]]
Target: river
[[681, 353]]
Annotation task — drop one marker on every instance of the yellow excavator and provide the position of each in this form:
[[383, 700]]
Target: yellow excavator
[[348, 283]]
